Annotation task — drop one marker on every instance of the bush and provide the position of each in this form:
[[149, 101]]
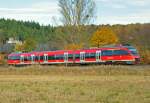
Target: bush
[[3, 60], [145, 56]]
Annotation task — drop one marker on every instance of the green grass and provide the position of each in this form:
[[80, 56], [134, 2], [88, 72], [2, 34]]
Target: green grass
[[57, 84]]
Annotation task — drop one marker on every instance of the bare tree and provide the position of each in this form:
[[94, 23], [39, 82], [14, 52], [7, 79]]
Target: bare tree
[[76, 12]]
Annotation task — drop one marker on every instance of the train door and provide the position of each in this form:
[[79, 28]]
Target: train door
[[21, 59], [45, 58], [82, 56], [98, 56], [65, 57], [32, 58]]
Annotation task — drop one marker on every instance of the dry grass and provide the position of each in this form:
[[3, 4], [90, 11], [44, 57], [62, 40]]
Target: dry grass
[[77, 70], [94, 84]]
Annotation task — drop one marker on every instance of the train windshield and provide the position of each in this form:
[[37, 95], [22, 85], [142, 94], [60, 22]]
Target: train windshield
[[132, 49], [134, 52]]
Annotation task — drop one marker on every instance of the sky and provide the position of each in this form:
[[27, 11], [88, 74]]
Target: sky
[[47, 11]]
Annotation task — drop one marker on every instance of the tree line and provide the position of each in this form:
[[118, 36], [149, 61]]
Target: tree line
[[38, 38]]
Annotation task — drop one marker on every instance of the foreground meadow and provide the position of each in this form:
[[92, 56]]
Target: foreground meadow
[[57, 84]]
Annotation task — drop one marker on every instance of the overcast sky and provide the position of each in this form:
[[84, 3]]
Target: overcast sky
[[108, 11]]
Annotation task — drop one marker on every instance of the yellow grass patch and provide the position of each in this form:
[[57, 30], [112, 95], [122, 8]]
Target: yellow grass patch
[[74, 85]]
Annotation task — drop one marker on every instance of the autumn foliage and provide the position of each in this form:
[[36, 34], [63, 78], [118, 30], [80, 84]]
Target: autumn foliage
[[104, 36], [19, 47], [145, 56], [73, 46], [27, 46]]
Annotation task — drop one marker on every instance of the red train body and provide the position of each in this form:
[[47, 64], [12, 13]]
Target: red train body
[[99, 55]]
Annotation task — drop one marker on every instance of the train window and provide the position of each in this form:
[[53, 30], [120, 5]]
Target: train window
[[14, 58], [77, 56], [120, 52], [90, 55], [107, 53], [29, 58], [134, 52], [52, 57], [36, 58], [25, 58], [70, 56], [87, 55], [41, 57], [59, 57]]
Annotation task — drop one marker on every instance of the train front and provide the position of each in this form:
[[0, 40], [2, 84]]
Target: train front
[[135, 53]]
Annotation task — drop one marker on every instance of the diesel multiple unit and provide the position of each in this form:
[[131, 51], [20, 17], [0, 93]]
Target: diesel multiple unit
[[118, 54]]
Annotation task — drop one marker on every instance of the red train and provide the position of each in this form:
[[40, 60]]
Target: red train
[[99, 55]]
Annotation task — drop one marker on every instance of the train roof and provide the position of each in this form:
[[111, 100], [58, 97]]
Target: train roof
[[106, 48], [37, 52]]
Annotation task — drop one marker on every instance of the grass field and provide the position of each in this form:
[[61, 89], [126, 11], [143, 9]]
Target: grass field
[[57, 84]]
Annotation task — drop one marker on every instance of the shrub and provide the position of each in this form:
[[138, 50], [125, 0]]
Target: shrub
[[145, 56]]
